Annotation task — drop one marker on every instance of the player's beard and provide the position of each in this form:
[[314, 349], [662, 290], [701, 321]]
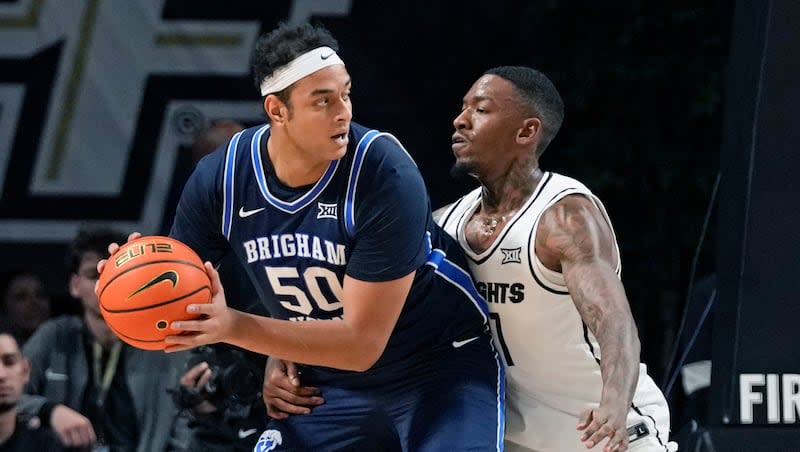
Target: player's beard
[[462, 172]]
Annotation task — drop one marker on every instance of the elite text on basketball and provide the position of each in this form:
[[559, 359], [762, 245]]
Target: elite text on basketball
[[136, 251]]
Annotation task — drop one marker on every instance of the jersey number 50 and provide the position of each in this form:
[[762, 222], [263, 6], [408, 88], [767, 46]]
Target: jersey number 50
[[284, 281]]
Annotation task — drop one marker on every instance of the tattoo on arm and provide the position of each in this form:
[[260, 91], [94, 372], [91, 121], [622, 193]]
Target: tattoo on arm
[[575, 233]]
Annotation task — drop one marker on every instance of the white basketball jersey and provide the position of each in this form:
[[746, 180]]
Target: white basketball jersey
[[553, 359]]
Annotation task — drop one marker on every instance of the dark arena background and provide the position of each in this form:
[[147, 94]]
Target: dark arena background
[[681, 116]]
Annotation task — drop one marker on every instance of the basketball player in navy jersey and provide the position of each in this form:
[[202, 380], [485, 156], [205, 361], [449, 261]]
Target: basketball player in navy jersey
[[333, 224]]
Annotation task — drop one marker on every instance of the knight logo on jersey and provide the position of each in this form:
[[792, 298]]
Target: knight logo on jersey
[[268, 441], [326, 211], [511, 255]]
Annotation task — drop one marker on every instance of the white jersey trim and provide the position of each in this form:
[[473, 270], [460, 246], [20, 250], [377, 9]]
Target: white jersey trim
[[473, 202], [552, 280], [228, 180]]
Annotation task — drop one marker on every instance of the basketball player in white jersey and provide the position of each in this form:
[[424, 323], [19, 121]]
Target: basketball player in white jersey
[[544, 255]]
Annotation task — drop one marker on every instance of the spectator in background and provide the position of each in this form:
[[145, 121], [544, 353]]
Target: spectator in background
[[25, 303], [16, 434], [90, 387], [208, 139]]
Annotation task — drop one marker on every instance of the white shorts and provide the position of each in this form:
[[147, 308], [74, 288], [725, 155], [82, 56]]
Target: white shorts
[[542, 428]]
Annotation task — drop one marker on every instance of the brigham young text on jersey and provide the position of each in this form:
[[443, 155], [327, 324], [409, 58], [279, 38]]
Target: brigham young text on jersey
[[300, 245]]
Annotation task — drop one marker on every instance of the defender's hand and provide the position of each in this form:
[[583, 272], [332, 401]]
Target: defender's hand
[[282, 392], [604, 422]]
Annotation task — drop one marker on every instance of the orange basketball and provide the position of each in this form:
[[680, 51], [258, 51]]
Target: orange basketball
[[146, 285]]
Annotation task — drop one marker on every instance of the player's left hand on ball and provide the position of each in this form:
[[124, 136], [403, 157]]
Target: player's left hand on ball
[[112, 249], [600, 423], [214, 325]]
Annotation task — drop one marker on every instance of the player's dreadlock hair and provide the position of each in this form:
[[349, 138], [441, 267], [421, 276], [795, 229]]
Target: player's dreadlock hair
[[540, 96], [282, 45]]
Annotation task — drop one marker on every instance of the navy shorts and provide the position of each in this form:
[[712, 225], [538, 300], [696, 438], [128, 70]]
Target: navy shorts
[[452, 400]]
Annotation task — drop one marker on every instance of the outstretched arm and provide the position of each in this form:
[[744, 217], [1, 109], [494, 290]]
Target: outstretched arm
[[574, 238]]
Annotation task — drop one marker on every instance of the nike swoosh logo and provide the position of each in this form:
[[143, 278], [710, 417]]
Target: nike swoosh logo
[[246, 213], [246, 433], [325, 57], [56, 376], [169, 275], [459, 344]]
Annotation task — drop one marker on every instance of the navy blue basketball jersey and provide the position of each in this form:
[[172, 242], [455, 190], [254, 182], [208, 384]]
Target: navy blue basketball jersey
[[367, 217]]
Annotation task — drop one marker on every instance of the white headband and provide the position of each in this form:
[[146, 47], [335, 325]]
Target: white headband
[[304, 65]]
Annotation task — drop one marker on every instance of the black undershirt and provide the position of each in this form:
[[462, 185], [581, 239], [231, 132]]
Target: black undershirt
[[25, 439]]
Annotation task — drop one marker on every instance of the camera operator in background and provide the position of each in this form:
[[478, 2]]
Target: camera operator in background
[[221, 396]]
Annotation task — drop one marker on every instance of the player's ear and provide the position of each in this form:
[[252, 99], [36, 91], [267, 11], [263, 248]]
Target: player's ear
[[530, 130], [275, 109]]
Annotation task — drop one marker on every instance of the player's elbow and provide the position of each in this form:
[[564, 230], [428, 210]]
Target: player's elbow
[[363, 365], [364, 357], [359, 364], [365, 361]]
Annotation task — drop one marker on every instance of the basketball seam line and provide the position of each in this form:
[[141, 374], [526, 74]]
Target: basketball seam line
[[142, 308], [189, 263]]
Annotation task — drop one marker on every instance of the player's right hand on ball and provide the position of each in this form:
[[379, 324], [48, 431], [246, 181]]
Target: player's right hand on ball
[[112, 248], [283, 393]]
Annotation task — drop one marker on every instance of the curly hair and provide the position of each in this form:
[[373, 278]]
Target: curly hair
[[282, 45]]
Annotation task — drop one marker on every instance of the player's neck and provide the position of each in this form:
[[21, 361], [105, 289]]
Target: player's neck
[[293, 166], [8, 421], [509, 191]]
